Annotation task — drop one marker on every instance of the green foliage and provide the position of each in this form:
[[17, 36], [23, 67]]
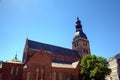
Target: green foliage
[[93, 67]]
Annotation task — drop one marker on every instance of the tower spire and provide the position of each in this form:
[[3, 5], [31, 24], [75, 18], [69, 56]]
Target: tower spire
[[79, 32], [80, 42], [77, 18], [78, 25]]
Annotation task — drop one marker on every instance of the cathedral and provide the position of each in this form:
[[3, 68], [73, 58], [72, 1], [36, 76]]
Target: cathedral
[[43, 61]]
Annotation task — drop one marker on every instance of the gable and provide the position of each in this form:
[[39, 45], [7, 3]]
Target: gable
[[39, 58]]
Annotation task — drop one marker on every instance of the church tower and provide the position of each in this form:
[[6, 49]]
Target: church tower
[[80, 42]]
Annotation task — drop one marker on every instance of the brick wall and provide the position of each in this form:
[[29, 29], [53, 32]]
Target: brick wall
[[12, 71]]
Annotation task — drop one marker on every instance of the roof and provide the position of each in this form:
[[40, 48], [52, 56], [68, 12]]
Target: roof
[[73, 65], [51, 48], [117, 56], [62, 61], [78, 35], [14, 60]]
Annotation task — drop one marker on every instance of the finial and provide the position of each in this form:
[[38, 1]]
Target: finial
[[16, 56], [78, 25], [77, 18], [78, 22]]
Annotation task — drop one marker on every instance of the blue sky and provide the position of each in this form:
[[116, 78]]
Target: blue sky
[[53, 22]]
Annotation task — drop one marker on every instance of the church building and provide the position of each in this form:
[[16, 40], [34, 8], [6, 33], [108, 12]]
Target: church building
[[49, 62]]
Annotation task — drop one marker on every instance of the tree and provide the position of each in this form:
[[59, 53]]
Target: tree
[[93, 67]]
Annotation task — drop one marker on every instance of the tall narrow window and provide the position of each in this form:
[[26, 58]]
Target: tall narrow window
[[54, 75], [17, 70], [72, 76], [37, 73], [67, 76], [42, 73], [60, 76], [28, 76], [77, 44], [12, 68]]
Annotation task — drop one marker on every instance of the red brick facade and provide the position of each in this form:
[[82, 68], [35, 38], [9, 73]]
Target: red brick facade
[[39, 66], [11, 71]]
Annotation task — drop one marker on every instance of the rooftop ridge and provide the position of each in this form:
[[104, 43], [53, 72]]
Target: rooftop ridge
[[52, 48], [50, 45]]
